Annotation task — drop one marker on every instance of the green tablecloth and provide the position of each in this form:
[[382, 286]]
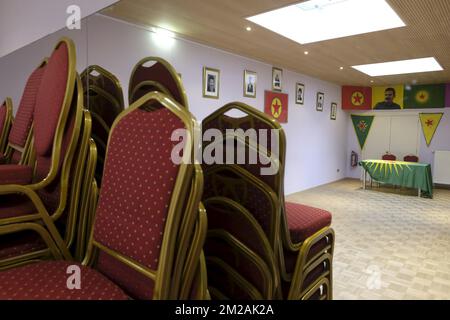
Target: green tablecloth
[[400, 173]]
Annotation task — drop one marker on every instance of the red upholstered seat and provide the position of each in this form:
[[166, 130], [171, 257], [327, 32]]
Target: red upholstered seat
[[303, 221], [47, 280], [15, 174]]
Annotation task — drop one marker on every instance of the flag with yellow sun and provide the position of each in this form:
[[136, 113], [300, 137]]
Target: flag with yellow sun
[[430, 122], [425, 96], [276, 105]]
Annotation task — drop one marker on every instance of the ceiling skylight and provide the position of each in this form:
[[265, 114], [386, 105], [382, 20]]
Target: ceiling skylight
[[318, 20], [400, 67]]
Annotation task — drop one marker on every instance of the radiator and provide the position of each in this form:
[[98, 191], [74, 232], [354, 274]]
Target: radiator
[[441, 172]]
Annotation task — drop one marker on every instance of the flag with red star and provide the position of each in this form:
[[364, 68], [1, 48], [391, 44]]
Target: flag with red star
[[276, 105], [362, 125], [356, 98], [424, 96], [430, 123]]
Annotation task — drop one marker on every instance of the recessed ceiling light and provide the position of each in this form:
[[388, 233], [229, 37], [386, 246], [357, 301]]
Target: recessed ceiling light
[[400, 67], [341, 68], [248, 29], [306, 52], [318, 20]]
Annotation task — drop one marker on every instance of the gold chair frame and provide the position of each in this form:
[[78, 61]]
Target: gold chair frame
[[7, 125]]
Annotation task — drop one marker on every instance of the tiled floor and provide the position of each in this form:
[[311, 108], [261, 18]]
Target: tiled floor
[[390, 244]]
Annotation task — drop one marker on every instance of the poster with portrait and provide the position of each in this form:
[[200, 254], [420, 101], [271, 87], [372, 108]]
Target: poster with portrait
[[250, 78], [299, 93], [320, 100], [277, 79], [211, 82], [387, 97], [333, 111]]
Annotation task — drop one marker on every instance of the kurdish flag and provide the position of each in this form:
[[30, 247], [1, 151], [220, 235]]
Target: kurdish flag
[[362, 125], [356, 98], [425, 96], [430, 122]]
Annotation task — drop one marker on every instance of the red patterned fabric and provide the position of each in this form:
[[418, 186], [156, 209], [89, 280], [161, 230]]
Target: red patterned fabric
[[24, 116], [390, 157], [411, 158], [15, 174], [134, 283], [2, 159], [16, 244], [234, 222], [47, 280], [245, 266], [303, 221], [137, 187], [50, 99], [226, 183], [15, 205]]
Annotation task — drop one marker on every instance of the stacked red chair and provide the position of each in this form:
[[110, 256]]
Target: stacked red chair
[[305, 243], [103, 97], [133, 248], [19, 139], [39, 201]]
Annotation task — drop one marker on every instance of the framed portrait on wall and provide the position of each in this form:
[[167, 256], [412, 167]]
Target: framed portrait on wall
[[320, 101], [277, 79], [333, 111], [299, 93], [250, 78], [211, 83]]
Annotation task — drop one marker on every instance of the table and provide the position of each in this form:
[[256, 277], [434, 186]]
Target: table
[[400, 173]]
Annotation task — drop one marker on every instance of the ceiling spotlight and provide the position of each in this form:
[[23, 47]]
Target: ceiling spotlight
[[341, 68], [306, 52], [248, 29]]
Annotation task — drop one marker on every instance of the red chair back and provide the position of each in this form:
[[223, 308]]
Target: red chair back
[[21, 127], [389, 156], [411, 158], [136, 219]]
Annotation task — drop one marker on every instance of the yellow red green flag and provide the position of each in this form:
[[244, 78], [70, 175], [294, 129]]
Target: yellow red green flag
[[430, 122]]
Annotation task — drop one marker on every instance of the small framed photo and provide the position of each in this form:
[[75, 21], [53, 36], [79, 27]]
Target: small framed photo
[[333, 111], [320, 100], [299, 93], [250, 78], [277, 79], [211, 83]]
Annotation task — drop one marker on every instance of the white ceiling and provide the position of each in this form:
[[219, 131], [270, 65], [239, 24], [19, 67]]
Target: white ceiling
[[24, 21]]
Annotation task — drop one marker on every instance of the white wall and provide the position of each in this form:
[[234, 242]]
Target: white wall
[[24, 21], [316, 145], [440, 141]]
